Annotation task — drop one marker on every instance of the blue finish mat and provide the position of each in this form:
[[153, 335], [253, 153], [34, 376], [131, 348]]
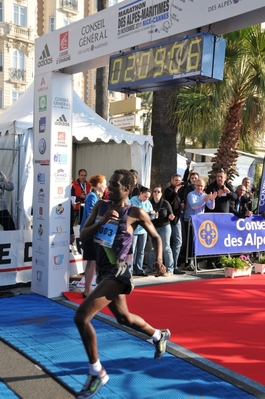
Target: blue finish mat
[[6, 393], [45, 331]]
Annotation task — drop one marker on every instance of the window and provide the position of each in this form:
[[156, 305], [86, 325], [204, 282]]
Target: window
[[18, 60], [15, 96], [20, 16], [52, 24], [66, 22], [1, 13], [17, 71], [1, 99], [112, 2]]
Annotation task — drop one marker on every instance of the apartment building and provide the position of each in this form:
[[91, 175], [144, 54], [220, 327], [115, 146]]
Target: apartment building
[[18, 30], [21, 22]]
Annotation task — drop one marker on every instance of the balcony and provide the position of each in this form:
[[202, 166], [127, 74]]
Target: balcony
[[70, 7], [21, 33], [17, 76]]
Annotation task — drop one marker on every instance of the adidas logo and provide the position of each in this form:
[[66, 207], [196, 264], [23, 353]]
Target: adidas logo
[[62, 121], [45, 57]]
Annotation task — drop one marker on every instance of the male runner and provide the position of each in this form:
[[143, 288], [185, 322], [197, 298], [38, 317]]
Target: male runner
[[112, 223]]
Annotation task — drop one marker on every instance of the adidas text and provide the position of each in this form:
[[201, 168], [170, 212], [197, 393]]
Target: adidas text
[[45, 61]]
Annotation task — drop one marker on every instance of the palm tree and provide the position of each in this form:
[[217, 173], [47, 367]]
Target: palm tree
[[233, 107], [243, 93], [194, 111]]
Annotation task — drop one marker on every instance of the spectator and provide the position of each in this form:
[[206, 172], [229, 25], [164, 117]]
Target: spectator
[[98, 186], [172, 196], [249, 194], [196, 202], [163, 216], [225, 194], [5, 218], [239, 207], [183, 192], [81, 187], [140, 234], [136, 188], [73, 199]]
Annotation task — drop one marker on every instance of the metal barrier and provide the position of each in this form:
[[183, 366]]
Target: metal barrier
[[194, 257]]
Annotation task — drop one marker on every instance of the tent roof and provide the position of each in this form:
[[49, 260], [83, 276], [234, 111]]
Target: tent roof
[[17, 118], [210, 152]]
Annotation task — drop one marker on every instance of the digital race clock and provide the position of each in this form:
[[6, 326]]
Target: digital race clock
[[178, 62]]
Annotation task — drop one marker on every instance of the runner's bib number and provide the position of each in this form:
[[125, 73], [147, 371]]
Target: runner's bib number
[[106, 234]]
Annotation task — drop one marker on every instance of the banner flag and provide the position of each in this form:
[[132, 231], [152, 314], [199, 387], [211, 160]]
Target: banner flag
[[225, 233]]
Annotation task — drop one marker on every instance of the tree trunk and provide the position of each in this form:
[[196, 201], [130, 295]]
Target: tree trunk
[[227, 155], [102, 106], [164, 158]]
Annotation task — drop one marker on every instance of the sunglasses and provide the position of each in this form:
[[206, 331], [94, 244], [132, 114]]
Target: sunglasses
[[157, 191]]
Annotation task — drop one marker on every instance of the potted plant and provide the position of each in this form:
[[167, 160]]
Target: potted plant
[[236, 266], [260, 265]]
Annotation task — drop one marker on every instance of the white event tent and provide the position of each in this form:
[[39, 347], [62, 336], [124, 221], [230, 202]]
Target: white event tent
[[98, 146]]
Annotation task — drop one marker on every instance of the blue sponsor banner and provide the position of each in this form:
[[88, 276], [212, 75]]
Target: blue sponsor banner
[[222, 233], [261, 203]]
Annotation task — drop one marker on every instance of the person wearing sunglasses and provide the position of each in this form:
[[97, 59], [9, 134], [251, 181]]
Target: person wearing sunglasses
[[163, 216], [239, 207]]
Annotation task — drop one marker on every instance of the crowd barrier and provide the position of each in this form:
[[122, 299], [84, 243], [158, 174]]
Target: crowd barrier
[[216, 234], [16, 257]]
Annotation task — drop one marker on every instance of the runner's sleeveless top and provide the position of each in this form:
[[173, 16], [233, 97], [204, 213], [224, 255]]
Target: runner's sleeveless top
[[122, 243]]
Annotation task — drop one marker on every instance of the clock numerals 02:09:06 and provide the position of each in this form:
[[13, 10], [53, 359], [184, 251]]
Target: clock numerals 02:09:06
[[153, 65]]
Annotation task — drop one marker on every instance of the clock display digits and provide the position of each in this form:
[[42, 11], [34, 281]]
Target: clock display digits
[[143, 67], [193, 61], [116, 71], [130, 70], [176, 58], [159, 62], [181, 61]]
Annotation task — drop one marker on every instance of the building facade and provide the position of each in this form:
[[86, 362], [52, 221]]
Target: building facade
[[21, 22]]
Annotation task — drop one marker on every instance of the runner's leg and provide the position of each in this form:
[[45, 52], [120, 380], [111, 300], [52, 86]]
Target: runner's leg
[[120, 310], [100, 297]]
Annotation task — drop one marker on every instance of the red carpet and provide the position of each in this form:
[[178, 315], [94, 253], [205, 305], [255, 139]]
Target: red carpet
[[220, 319]]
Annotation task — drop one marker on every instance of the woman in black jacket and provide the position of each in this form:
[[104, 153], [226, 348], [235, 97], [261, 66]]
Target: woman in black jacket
[[163, 216]]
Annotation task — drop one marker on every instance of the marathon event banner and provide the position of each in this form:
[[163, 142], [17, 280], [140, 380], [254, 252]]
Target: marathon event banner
[[223, 233]]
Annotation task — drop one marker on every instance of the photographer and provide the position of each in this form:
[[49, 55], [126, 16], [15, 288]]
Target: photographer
[[171, 195], [5, 218]]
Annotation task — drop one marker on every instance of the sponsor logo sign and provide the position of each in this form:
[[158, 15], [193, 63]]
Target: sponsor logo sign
[[41, 178], [45, 57], [216, 233], [43, 103], [62, 121], [42, 146], [63, 48]]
